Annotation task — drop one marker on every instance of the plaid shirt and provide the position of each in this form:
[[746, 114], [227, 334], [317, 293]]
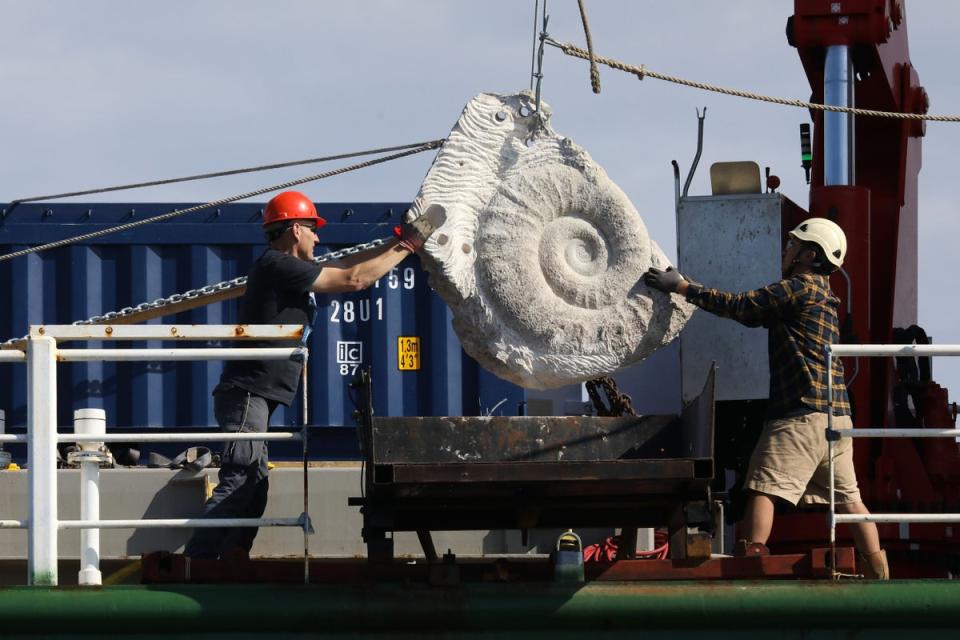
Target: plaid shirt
[[800, 314]]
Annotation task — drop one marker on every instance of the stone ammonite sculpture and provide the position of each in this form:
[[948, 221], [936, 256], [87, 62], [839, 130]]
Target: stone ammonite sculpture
[[541, 254]]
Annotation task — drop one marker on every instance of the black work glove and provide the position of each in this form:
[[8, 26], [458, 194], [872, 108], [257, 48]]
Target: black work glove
[[667, 281]]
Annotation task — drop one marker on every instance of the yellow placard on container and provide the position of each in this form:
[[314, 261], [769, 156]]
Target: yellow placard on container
[[408, 353]]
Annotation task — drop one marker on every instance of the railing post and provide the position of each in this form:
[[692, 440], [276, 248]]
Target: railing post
[[42, 460], [90, 455], [832, 516], [5, 457]]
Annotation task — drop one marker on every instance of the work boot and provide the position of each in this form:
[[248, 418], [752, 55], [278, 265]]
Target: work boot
[[874, 565], [747, 549]]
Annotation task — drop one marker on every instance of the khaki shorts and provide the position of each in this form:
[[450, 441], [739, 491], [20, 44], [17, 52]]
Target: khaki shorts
[[790, 461]]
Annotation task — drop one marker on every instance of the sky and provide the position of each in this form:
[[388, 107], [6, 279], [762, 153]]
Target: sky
[[103, 92]]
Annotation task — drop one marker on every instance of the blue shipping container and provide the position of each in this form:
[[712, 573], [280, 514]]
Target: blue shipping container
[[156, 260]]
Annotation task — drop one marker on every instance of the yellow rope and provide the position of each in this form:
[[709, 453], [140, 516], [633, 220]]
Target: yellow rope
[[642, 72]]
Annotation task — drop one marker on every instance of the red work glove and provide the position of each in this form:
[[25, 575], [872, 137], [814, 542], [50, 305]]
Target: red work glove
[[409, 238], [414, 233]]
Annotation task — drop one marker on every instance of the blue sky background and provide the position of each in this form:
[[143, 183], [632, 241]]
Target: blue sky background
[[104, 92]]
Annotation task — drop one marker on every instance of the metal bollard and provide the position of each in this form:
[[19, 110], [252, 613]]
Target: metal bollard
[[89, 456]]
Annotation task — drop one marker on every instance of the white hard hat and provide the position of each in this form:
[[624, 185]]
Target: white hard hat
[[825, 233]]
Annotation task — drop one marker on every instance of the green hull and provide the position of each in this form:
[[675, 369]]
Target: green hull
[[674, 610]]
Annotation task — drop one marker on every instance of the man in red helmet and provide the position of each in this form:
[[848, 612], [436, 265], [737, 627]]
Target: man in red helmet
[[280, 288]]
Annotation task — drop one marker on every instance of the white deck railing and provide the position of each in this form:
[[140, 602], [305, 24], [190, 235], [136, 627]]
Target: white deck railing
[[41, 353], [878, 350]]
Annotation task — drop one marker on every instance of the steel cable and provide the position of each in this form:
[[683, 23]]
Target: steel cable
[[219, 174], [216, 203], [533, 53]]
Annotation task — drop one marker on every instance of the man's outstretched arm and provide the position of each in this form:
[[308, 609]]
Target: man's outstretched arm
[[357, 272]]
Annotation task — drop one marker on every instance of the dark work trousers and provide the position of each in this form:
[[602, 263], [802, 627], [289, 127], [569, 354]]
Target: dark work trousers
[[242, 489]]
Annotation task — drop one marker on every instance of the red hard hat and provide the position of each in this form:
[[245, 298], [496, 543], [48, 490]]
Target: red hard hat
[[291, 205]]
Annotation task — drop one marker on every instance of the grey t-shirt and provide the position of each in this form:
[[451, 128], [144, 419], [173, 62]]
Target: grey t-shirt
[[278, 292]]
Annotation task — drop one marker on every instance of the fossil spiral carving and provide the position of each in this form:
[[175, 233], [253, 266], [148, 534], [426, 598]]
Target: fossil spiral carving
[[541, 254]]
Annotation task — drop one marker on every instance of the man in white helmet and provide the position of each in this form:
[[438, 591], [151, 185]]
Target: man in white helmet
[[790, 461]]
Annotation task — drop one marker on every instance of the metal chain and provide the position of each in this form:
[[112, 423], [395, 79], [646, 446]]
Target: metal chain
[[210, 289], [620, 404], [130, 225], [642, 72]]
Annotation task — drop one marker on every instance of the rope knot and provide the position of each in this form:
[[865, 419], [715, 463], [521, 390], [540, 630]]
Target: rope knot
[[642, 73]]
